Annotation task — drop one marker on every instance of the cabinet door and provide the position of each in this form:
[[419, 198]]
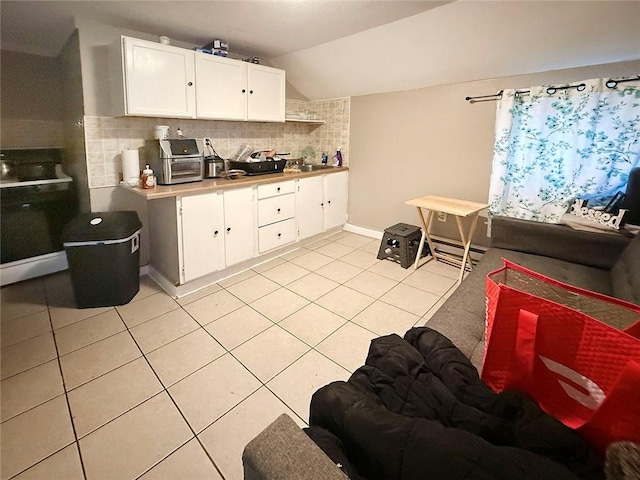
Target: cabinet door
[[220, 88], [202, 235], [240, 225], [335, 200], [310, 206], [158, 79], [266, 93]]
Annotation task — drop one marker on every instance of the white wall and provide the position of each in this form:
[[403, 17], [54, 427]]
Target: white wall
[[31, 99]]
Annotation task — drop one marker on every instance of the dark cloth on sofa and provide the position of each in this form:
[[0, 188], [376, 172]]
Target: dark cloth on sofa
[[418, 409], [333, 447]]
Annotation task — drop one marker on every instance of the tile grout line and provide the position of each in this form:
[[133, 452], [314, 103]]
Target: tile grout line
[[66, 393], [165, 389], [274, 323], [230, 352]]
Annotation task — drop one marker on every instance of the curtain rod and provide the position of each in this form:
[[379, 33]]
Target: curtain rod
[[611, 83]]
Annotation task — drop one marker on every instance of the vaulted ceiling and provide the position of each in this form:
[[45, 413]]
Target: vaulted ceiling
[[335, 48]]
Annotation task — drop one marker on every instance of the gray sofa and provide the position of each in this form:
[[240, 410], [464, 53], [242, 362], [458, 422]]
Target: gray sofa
[[602, 262]]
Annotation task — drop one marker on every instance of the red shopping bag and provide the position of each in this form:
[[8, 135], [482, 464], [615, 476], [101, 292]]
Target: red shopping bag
[[571, 350]]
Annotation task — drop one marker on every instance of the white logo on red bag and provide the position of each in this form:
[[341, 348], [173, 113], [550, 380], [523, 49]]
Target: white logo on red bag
[[594, 396]]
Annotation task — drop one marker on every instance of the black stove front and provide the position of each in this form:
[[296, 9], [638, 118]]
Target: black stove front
[[34, 212]]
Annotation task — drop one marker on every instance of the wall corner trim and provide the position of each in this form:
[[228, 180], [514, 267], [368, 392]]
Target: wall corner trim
[[367, 232]]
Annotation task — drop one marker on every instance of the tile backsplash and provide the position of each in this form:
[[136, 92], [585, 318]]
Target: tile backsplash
[[106, 137]]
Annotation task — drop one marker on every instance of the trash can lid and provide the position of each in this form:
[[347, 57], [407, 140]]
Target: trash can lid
[[101, 226]]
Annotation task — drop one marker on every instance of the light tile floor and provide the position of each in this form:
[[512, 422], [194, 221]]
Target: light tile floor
[[174, 389]]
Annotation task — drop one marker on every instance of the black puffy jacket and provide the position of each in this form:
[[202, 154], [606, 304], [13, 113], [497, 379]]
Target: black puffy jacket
[[417, 409]]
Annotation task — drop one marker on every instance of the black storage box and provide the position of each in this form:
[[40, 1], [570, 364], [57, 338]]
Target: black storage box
[[103, 251], [400, 244], [258, 168]]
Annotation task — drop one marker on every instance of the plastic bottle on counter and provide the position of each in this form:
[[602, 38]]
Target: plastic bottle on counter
[[325, 158], [148, 179], [338, 157]]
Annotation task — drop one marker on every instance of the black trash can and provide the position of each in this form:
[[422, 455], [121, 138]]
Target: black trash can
[[103, 251]]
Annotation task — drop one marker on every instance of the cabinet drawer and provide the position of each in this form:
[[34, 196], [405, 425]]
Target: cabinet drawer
[[273, 189], [276, 235], [275, 209]]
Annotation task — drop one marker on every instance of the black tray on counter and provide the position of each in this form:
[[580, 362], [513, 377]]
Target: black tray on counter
[[258, 168]]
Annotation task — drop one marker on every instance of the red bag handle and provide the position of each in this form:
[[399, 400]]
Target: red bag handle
[[520, 376]]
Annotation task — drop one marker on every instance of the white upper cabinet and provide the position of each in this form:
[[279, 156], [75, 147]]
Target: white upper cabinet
[[151, 79], [154, 80], [221, 88], [229, 89], [265, 94]]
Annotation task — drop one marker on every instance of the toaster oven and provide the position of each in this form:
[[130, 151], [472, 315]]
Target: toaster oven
[[176, 160]]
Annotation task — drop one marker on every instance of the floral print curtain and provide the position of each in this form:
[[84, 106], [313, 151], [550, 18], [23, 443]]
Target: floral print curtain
[[554, 145]]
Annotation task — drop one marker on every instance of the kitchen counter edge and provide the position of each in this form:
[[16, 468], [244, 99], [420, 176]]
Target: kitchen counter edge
[[217, 184]]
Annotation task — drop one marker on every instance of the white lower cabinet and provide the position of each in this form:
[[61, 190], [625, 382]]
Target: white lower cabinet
[[277, 235], [276, 215], [239, 225], [203, 246], [310, 206], [335, 200], [322, 203], [217, 231], [193, 236], [276, 209]]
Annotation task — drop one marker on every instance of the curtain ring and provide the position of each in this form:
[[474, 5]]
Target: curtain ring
[[611, 84], [581, 87], [551, 90]]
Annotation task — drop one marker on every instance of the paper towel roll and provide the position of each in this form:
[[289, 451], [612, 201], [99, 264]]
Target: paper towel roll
[[130, 167]]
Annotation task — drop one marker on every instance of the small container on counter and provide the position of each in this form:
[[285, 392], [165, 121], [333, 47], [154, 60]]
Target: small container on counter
[[338, 158], [147, 179]]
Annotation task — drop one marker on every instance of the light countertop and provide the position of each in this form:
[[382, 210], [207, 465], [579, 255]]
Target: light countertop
[[213, 184]]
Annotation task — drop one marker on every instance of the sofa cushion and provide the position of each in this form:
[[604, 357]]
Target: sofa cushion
[[595, 249], [625, 274]]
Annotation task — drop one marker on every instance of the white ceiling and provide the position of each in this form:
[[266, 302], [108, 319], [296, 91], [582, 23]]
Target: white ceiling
[[467, 41], [338, 48], [264, 28]]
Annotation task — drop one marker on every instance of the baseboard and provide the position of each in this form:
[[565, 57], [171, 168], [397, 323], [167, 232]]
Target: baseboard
[[33, 267], [367, 232], [178, 291]]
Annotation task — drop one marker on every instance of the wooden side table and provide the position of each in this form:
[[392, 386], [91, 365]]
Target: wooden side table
[[450, 206]]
